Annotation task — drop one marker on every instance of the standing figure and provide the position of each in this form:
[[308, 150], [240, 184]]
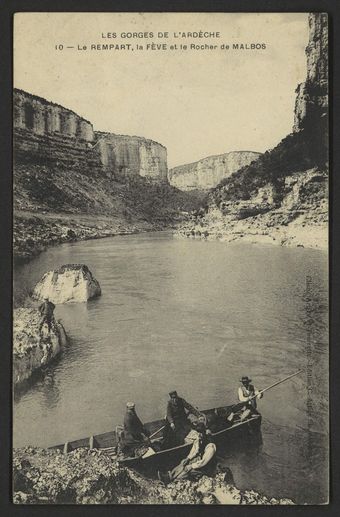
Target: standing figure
[[46, 310], [134, 433], [177, 412], [249, 394]]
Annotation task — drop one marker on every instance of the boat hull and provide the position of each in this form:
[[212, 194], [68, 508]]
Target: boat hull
[[226, 436], [230, 439]]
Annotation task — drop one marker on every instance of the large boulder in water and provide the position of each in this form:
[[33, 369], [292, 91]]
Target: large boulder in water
[[33, 349], [69, 283]]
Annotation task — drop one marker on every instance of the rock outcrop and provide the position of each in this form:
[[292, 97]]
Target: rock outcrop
[[282, 197], [133, 155], [93, 477], [69, 283], [311, 104], [47, 133], [298, 219], [32, 349], [208, 172], [42, 117]]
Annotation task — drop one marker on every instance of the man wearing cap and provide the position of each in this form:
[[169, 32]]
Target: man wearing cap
[[176, 414], [248, 393], [135, 433], [199, 460], [46, 310]]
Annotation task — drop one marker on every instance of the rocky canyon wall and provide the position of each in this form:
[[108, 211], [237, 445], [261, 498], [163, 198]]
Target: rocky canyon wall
[[208, 172], [311, 104], [133, 155], [45, 132], [282, 197]]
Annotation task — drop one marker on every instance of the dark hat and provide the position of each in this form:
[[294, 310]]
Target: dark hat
[[173, 394], [245, 379]]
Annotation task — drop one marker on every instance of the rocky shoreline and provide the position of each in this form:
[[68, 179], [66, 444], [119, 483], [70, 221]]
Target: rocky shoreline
[[295, 216], [34, 233], [33, 349], [43, 476]]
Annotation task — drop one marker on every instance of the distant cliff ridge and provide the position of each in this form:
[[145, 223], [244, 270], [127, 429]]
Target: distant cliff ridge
[[45, 132], [208, 172], [136, 155]]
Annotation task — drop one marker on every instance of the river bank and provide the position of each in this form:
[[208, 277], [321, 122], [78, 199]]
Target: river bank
[[35, 232], [294, 214], [302, 232], [42, 476]]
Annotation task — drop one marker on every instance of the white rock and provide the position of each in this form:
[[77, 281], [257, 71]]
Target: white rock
[[32, 350], [69, 283]]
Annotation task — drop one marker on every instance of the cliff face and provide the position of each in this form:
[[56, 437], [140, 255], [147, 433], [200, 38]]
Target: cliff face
[[312, 96], [133, 155], [282, 197], [72, 183], [208, 172], [46, 133]]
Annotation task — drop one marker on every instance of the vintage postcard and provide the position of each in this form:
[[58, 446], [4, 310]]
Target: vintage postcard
[[170, 324]]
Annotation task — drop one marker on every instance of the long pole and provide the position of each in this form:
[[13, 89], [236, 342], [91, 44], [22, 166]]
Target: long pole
[[275, 384]]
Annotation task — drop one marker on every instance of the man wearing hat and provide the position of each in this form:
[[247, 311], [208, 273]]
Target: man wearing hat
[[134, 433], [248, 393], [176, 414], [199, 460], [46, 311]]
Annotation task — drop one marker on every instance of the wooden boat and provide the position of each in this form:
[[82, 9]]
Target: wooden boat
[[226, 434]]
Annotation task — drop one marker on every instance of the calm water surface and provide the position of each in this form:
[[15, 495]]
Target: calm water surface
[[193, 316]]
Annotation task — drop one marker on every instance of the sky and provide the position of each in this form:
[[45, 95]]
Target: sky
[[197, 103]]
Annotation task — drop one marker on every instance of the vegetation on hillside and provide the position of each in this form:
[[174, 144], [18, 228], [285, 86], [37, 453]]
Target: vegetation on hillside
[[296, 152]]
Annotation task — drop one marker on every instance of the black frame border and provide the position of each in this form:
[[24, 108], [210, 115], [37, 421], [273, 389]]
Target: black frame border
[[7, 9]]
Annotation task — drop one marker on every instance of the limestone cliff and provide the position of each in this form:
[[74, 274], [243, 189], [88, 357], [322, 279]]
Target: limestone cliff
[[69, 283], [73, 183], [45, 132], [208, 172], [132, 155], [282, 197], [31, 349], [311, 104]]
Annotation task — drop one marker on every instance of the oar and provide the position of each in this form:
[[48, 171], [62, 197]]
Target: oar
[[276, 384], [156, 432], [268, 388]]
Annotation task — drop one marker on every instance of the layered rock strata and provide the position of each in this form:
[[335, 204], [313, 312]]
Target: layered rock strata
[[33, 349], [47, 133], [312, 95], [133, 155], [69, 283], [208, 172]]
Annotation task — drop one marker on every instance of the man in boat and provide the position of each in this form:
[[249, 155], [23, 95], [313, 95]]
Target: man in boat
[[200, 461], [178, 410], [134, 433], [249, 394], [46, 310]]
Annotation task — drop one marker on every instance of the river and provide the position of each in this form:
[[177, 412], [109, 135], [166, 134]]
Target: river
[[193, 316]]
